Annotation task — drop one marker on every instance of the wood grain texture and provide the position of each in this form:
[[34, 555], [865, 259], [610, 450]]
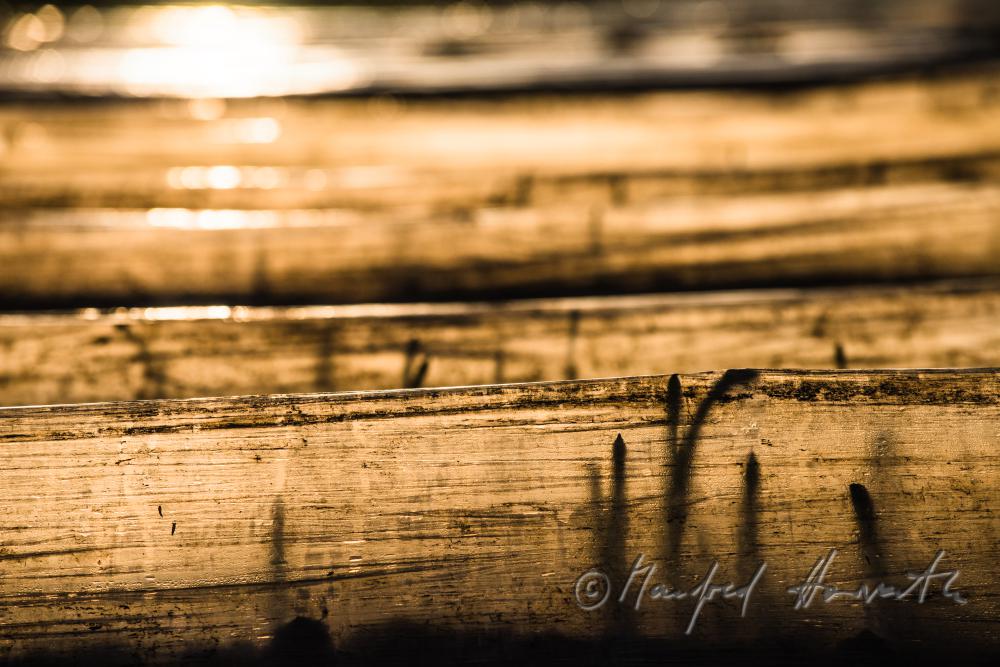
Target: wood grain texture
[[449, 153], [222, 351], [176, 528], [390, 199], [180, 258]]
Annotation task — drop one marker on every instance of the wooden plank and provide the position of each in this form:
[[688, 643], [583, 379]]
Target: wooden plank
[[222, 351], [177, 257], [464, 152], [329, 201], [454, 524]]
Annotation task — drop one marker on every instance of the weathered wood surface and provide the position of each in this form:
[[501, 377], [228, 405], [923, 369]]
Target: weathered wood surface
[[336, 201], [401, 522], [452, 153], [181, 257], [223, 351]]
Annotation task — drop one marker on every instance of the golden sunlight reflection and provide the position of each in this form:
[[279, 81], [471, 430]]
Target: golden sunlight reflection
[[226, 177], [218, 25], [232, 177], [181, 313], [85, 25], [213, 51], [267, 69], [30, 30], [264, 130], [229, 219], [210, 219], [218, 51], [206, 108]]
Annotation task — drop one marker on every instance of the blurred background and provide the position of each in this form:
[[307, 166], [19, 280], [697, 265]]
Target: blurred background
[[211, 199], [218, 50]]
